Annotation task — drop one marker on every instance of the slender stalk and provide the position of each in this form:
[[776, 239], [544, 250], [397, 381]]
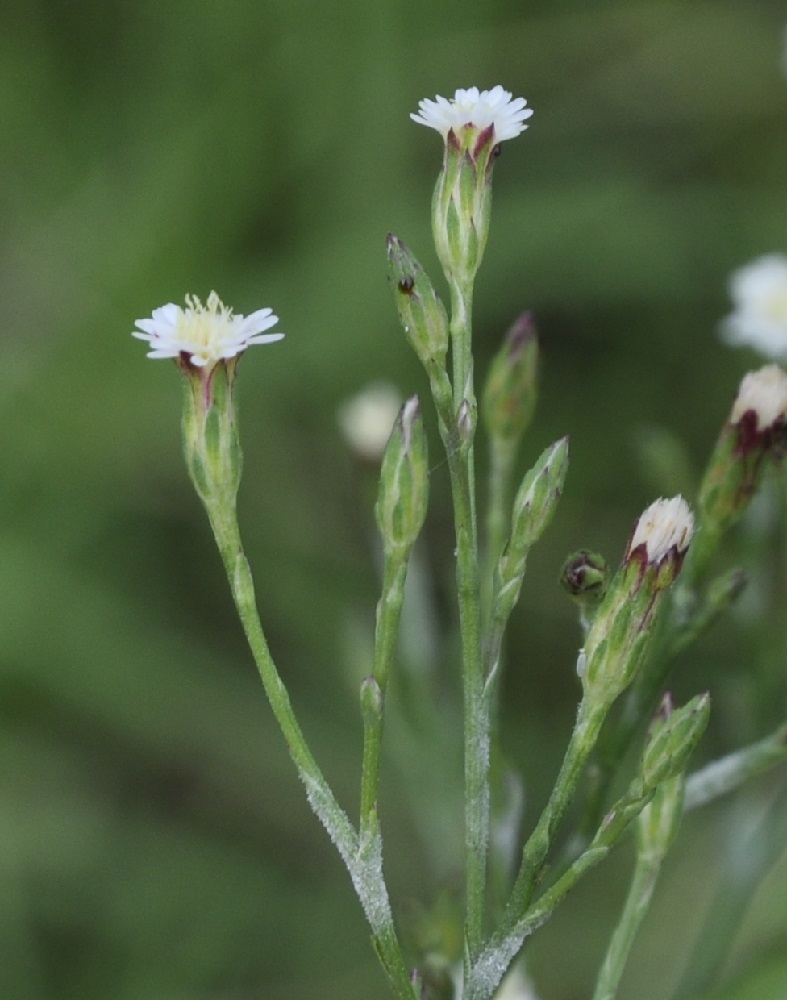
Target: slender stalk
[[389, 611], [724, 775], [476, 716], [498, 515], [362, 856], [583, 739], [643, 882]]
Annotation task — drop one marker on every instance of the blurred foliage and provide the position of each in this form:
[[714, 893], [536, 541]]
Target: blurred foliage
[[154, 841]]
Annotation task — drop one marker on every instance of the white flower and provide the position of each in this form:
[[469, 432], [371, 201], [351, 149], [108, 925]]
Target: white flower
[[368, 417], [759, 295], [208, 333], [666, 524], [765, 393], [477, 109]]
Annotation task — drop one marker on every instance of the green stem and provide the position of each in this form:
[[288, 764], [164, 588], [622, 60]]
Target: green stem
[[389, 610], [506, 942], [728, 773], [476, 715], [582, 741], [643, 882], [361, 855], [498, 515]]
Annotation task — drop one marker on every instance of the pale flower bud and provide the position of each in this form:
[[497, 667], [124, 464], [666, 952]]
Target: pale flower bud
[[404, 482], [616, 643], [753, 433], [510, 392]]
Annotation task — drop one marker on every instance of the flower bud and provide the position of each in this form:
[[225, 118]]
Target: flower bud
[[510, 393], [534, 506], [404, 482], [585, 577], [673, 736], [616, 643], [420, 309], [754, 431]]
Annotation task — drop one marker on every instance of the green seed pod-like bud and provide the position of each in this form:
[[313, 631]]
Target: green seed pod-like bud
[[534, 507], [404, 482], [510, 393], [421, 311], [673, 736], [616, 643]]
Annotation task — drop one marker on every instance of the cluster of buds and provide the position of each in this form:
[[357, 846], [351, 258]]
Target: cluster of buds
[[616, 642]]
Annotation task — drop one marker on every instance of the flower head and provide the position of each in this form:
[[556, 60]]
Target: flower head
[[207, 333], [764, 393], [759, 295], [662, 527], [478, 109]]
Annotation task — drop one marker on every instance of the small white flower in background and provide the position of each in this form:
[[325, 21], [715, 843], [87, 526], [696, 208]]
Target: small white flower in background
[[367, 418], [205, 333], [478, 109], [764, 392], [759, 317], [665, 525]]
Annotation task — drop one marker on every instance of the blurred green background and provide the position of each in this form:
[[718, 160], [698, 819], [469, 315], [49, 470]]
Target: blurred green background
[[154, 841]]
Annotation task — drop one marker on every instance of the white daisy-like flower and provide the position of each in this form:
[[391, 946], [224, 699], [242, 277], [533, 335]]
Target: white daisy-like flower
[[759, 317], [205, 333], [765, 393], [368, 417], [478, 109], [666, 524]]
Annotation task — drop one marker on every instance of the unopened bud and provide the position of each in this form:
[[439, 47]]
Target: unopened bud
[[674, 734], [420, 309], [534, 507], [509, 397], [616, 643], [404, 481], [753, 433], [584, 577]]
